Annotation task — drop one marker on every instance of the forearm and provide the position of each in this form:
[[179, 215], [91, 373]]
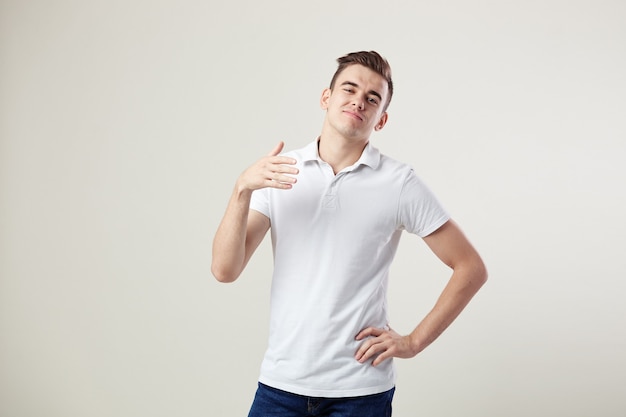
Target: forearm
[[239, 233], [229, 243], [386, 343], [461, 288]]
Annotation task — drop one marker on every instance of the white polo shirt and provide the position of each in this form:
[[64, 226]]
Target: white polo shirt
[[334, 237]]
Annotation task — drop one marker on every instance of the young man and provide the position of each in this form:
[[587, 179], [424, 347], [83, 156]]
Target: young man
[[336, 209]]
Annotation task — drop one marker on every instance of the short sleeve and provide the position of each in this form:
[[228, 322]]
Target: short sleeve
[[419, 211], [260, 201]]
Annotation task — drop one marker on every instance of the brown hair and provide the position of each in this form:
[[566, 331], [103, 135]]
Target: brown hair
[[371, 60]]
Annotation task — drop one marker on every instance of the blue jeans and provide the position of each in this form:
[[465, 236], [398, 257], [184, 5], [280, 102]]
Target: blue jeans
[[272, 402]]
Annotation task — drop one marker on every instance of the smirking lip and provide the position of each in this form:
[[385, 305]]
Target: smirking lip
[[353, 115]]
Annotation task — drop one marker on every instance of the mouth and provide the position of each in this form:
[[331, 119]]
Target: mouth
[[353, 115]]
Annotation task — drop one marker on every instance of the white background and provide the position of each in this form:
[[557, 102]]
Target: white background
[[123, 125]]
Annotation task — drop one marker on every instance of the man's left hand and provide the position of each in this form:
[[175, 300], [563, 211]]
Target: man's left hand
[[383, 344]]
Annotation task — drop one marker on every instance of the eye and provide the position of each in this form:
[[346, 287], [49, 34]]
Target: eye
[[373, 100], [348, 90]]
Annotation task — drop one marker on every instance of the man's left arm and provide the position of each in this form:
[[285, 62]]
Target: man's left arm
[[469, 274]]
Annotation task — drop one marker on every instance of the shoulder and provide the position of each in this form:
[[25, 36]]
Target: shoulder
[[306, 153], [404, 174], [395, 168]]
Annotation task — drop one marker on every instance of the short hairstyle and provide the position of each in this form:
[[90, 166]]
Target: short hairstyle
[[371, 60]]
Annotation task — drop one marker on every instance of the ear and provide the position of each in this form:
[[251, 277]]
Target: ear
[[324, 99], [381, 123]]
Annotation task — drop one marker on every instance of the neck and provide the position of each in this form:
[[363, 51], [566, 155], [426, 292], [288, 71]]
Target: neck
[[340, 154]]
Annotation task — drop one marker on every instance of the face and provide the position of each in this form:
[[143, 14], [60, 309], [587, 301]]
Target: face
[[355, 106]]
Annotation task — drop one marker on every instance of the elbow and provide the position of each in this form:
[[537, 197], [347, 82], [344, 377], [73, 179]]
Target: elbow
[[223, 275], [475, 273], [481, 274]]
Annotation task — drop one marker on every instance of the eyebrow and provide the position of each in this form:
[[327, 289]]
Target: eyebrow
[[372, 92]]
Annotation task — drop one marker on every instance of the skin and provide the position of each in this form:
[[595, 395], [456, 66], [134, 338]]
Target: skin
[[354, 109]]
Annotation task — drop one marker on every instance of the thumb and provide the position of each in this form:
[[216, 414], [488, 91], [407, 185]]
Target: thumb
[[277, 149]]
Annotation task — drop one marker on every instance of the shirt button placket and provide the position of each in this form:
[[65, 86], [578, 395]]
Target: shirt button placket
[[330, 199]]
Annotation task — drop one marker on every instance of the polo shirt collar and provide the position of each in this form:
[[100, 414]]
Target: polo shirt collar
[[369, 157]]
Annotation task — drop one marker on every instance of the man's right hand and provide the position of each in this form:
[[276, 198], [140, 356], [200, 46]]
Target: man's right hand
[[272, 170]]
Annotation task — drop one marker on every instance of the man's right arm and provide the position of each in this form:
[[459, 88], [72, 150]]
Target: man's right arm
[[241, 229]]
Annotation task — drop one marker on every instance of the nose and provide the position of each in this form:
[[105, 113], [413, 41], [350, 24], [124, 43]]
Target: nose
[[359, 102]]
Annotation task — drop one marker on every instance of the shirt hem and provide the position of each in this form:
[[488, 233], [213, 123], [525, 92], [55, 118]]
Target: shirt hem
[[322, 393], [435, 226]]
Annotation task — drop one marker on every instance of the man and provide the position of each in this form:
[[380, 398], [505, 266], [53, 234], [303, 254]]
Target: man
[[336, 210]]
